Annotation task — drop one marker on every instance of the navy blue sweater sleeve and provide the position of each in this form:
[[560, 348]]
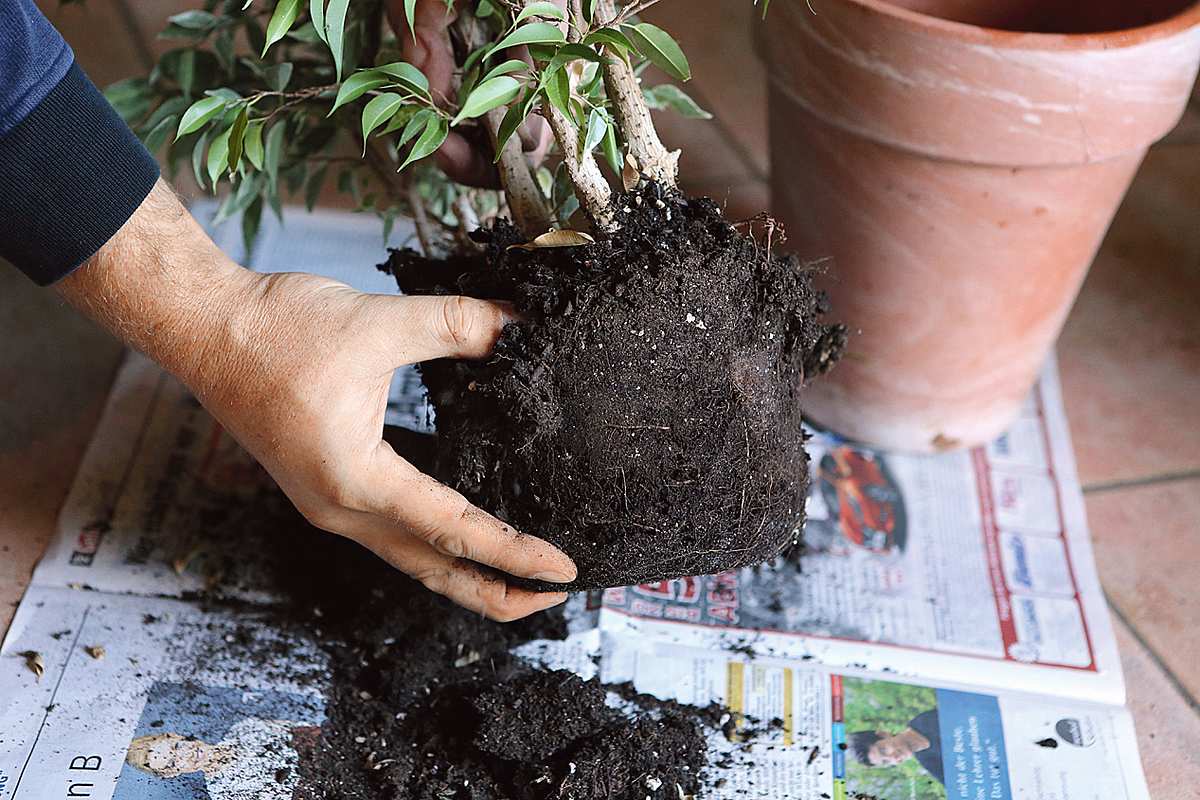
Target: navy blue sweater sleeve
[[71, 171]]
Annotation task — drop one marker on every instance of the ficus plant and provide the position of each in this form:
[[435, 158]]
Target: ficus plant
[[264, 96]]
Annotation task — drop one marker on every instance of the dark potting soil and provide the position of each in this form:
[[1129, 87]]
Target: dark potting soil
[[426, 701], [645, 414]]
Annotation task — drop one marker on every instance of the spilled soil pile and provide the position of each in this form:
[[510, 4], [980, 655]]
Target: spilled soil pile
[[427, 702], [645, 415]]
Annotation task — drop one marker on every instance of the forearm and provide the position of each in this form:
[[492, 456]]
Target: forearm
[[162, 286]]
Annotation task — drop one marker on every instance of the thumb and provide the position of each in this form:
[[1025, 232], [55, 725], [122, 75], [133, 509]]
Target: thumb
[[451, 326]]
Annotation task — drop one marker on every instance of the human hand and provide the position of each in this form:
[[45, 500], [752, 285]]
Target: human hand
[[297, 369], [428, 48]]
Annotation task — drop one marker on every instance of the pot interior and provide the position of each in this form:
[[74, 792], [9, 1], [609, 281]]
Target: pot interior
[[1050, 16]]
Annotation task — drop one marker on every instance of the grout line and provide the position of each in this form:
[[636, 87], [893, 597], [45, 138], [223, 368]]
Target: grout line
[[1152, 480], [129, 18], [1188, 698]]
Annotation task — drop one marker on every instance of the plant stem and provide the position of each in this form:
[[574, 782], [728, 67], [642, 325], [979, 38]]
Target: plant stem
[[420, 220], [591, 188], [633, 115]]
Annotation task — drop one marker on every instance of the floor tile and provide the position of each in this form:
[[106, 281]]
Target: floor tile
[[1130, 351], [64, 367], [105, 42], [1168, 727], [1147, 541], [728, 77]]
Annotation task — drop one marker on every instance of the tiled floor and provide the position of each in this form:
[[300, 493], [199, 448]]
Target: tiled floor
[[1130, 360]]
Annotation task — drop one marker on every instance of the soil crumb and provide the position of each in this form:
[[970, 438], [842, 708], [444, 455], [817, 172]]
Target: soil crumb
[[645, 414]]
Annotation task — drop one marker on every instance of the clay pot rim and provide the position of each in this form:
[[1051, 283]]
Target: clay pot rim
[[1182, 20]]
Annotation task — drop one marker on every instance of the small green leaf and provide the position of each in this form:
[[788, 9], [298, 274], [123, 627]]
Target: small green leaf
[[218, 158], [513, 118], [533, 33], [573, 52], [278, 76], [589, 10], [198, 159], [273, 152], [312, 188], [305, 33], [316, 10], [130, 98], [185, 72], [335, 31], [237, 136], [379, 110], [668, 95], [608, 36], [357, 85], [408, 76], [156, 137], [254, 144], [431, 139], [410, 13], [251, 218], [612, 151], [281, 22], [198, 115], [512, 65], [596, 128], [194, 20], [485, 9], [415, 125], [223, 48], [658, 46], [540, 9], [400, 119], [558, 90], [489, 95]]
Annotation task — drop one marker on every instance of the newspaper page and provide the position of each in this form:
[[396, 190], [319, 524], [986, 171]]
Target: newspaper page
[[851, 734], [974, 562], [776, 642]]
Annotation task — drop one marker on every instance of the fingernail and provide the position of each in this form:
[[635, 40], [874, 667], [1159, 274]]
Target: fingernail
[[554, 576]]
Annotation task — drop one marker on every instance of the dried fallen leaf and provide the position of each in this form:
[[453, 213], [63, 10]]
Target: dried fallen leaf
[[631, 175], [96, 651], [563, 238], [33, 660]]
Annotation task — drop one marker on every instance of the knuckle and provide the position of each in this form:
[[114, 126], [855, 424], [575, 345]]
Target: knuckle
[[456, 321], [434, 579]]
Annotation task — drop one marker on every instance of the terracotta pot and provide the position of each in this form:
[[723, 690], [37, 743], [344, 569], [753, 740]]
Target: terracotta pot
[[960, 178]]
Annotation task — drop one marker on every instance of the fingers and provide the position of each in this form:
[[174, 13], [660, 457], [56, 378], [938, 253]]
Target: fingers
[[462, 582], [409, 503], [429, 327]]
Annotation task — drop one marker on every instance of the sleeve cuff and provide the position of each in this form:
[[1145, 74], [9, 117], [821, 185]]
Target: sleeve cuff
[[71, 174]]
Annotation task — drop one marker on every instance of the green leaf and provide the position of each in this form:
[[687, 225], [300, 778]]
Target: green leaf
[[608, 36], [668, 95], [335, 31], [596, 128], [223, 49], [410, 13], [198, 159], [316, 11], [485, 9], [185, 72], [400, 119], [312, 188], [306, 33], [278, 76], [408, 76], [415, 125], [254, 144], [194, 20], [431, 139], [513, 118], [558, 90], [156, 137], [573, 52], [237, 136], [357, 85], [612, 151], [540, 9], [273, 152], [198, 115], [218, 158], [251, 219], [658, 46], [489, 95], [533, 33], [765, 4], [130, 98], [512, 65], [238, 200], [379, 110], [281, 22]]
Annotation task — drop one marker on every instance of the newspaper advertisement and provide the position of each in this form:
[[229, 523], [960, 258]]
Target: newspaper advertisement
[[943, 637]]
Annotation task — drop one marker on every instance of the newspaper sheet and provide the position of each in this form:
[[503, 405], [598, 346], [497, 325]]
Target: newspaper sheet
[[944, 638]]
